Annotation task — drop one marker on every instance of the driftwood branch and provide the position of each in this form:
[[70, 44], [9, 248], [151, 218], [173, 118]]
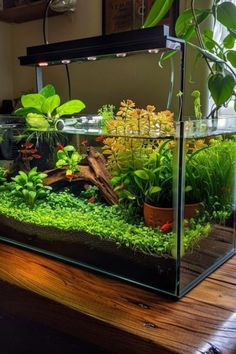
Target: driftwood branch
[[95, 173]]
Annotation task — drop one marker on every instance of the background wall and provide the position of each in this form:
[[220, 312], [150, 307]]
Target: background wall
[[101, 82], [6, 64]]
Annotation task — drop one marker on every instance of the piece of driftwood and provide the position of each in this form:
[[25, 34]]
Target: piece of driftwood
[[95, 173]]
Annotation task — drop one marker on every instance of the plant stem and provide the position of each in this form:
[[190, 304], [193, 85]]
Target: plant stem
[[198, 33]]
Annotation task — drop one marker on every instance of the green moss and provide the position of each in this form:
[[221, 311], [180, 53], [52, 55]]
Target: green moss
[[67, 212]]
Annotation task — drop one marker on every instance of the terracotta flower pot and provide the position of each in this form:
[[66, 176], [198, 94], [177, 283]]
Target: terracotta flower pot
[[156, 216]]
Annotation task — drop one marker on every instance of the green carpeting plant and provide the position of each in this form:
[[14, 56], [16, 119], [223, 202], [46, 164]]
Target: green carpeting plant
[[65, 211]]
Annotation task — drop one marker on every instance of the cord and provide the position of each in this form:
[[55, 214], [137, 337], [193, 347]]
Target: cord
[[45, 38], [45, 22], [68, 80]]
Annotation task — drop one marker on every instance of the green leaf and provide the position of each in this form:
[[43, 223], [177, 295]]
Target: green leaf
[[41, 194], [138, 182], [76, 157], [33, 172], [221, 87], [50, 104], [231, 56], [166, 55], [184, 27], [24, 111], [41, 176], [229, 41], [25, 193], [115, 180], [154, 189], [32, 196], [141, 174], [157, 13], [235, 105], [226, 14], [208, 40], [70, 107], [34, 100], [37, 121], [61, 155], [232, 32], [69, 148], [29, 185], [48, 91], [188, 188], [61, 163]]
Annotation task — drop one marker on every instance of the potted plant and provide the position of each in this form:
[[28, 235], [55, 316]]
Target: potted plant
[[220, 56]]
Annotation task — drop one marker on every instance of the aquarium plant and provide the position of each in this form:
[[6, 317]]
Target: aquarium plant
[[66, 212], [107, 113], [68, 157], [41, 110], [29, 186], [130, 121], [28, 153]]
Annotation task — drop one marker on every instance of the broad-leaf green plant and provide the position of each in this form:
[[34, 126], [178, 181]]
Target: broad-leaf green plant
[[43, 109]]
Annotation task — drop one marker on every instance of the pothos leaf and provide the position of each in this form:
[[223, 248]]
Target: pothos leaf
[[158, 11], [184, 27], [231, 56], [226, 14], [229, 41], [221, 87]]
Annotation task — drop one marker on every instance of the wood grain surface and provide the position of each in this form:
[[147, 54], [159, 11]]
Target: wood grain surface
[[118, 317]]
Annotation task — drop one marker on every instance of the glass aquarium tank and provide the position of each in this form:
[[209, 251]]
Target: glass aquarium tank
[[131, 192]]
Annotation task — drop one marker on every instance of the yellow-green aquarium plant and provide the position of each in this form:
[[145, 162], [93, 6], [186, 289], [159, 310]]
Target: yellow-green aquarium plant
[[68, 157]]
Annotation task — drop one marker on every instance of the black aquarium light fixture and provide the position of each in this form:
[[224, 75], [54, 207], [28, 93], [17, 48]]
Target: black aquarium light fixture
[[116, 45]]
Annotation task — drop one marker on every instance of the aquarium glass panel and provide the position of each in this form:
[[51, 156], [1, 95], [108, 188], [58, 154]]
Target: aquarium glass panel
[[209, 197], [141, 198]]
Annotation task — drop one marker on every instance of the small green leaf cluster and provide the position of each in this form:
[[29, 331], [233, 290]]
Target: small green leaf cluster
[[91, 191], [67, 212], [29, 186], [107, 112], [69, 157], [43, 109]]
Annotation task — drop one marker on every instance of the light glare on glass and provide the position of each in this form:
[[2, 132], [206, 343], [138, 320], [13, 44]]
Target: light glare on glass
[[153, 51], [92, 58]]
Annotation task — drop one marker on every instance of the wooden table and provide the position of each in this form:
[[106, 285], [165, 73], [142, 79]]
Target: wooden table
[[116, 316]]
